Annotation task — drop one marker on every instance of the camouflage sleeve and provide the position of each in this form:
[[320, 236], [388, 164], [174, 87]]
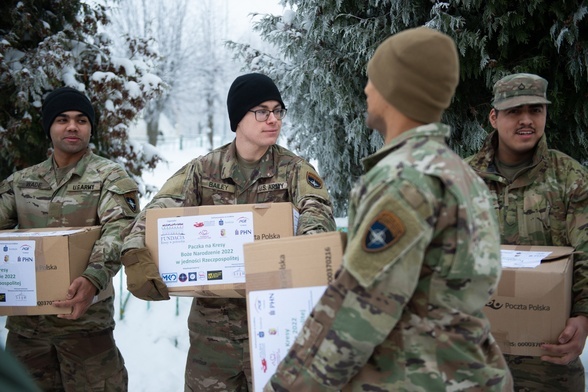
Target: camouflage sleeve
[[358, 311], [8, 215], [312, 200], [119, 205], [178, 191], [577, 223]]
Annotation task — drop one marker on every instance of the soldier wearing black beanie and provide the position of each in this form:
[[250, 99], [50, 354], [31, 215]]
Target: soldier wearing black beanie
[[248, 91], [251, 169], [64, 99]]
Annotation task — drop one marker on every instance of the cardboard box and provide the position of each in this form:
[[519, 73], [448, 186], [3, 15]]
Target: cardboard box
[[531, 305], [302, 261], [285, 279], [199, 250], [38, 265]]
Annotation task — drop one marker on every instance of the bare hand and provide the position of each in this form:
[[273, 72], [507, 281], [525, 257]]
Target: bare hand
[[80, 295], [571, 342]]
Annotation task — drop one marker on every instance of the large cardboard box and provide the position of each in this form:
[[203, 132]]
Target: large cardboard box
[[38, 265], [531, 305], [302, 261], [285, 279], [199, 250]]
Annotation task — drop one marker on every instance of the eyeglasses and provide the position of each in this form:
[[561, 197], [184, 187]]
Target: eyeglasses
[[262, 115]]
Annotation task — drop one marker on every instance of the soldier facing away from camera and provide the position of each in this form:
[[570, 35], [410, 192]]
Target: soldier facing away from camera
[[423, 254]]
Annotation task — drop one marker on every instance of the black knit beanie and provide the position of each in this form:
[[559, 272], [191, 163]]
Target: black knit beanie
[[248, 91], [64, 99]]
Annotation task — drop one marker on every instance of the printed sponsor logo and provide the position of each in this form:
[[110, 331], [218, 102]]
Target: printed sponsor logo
[[169, 277], [214, 275], [2, 297], [192, 277], [275, 357], [172, 233], [183, 277]]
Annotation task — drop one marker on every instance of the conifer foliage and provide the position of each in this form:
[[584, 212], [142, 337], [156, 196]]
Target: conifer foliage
[[45, 44], [323, 48]]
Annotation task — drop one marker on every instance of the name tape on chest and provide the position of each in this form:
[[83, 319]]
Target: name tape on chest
[[219, 186], [275, 186], [89, 187], [32, 185]]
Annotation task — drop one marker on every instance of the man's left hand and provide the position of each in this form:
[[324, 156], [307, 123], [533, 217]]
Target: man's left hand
[[571, 342], [80, 295]]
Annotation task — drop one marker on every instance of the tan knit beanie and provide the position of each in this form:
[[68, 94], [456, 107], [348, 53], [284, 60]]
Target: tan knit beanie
[[416, 71]]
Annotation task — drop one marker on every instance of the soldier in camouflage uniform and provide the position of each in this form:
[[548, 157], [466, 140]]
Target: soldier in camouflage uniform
[[541, 198], [251, 169], [73, 188], [423, 255]]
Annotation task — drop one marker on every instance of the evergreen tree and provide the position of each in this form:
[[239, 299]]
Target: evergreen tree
[[324, 47], [45, 44]]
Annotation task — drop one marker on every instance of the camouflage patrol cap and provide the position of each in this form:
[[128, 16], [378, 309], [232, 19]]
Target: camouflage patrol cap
[[519, 89]]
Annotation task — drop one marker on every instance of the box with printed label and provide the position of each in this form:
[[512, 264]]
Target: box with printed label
[[533, 300], [199, 250], [285, 279], [38, 265]]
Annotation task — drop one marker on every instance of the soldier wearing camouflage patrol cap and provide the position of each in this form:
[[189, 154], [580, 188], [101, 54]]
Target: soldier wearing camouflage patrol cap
[[250, 169], [72, 188], [541, 199], [423, 257]]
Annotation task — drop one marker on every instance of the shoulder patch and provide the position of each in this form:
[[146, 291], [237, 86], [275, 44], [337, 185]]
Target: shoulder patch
[[384, 231], [314, 180], [132, 201]]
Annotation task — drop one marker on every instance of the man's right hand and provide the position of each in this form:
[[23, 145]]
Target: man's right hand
[[143, 279]]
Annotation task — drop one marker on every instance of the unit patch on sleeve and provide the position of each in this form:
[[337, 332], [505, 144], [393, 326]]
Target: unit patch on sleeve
[[132, 202], [384, 231], [314, 181]]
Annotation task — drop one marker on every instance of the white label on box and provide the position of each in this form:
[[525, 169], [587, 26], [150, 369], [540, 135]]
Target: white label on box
[[276, 317], [521, 259], [18, 283], [203, 249]]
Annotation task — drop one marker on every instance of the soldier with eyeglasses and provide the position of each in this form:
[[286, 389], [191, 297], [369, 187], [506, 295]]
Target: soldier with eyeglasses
[[250, 169]]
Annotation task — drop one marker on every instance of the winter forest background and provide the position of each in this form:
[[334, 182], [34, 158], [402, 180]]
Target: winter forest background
[[158, 72]]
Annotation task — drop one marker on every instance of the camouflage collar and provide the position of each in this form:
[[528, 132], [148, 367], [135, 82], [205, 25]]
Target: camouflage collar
[[266, 168], [434, 130]]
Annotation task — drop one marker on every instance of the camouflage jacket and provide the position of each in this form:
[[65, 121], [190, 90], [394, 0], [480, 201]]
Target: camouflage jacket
[[215, 179], [546, 204], [423, 257], [95, 192]]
